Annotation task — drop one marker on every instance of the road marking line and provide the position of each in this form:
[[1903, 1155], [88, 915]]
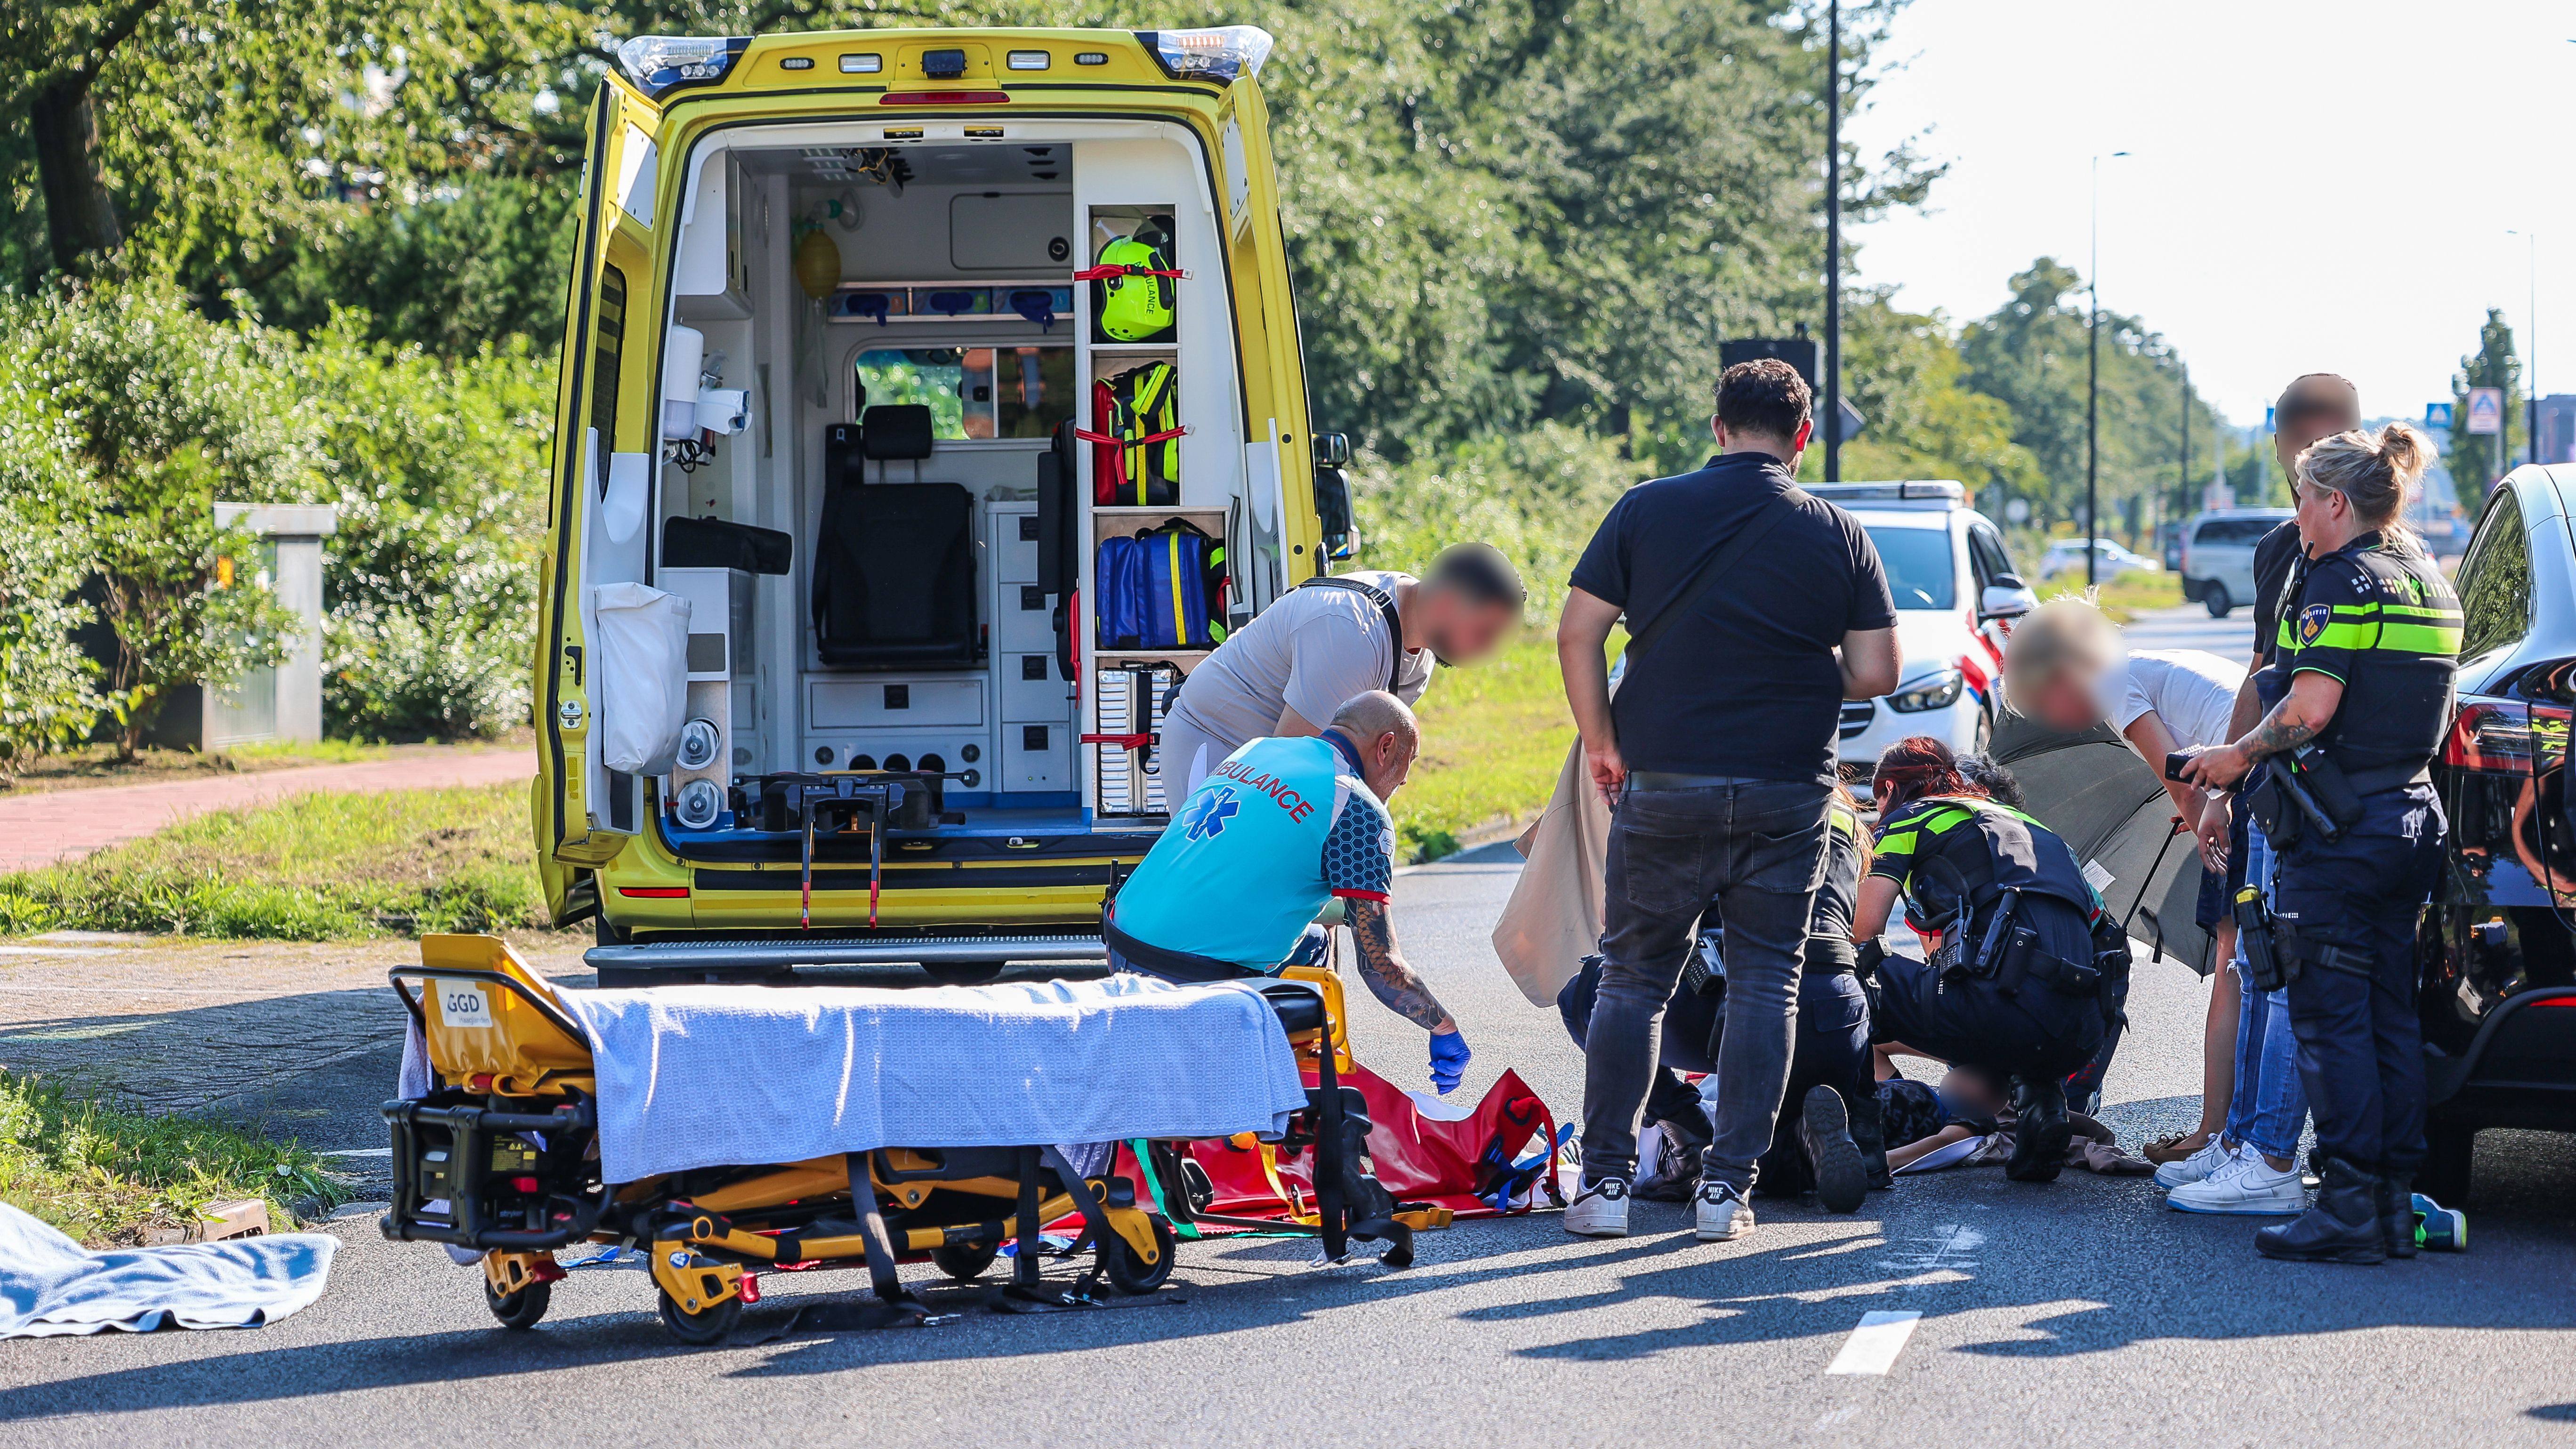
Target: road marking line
[[357, 1152], [1873, 1347]]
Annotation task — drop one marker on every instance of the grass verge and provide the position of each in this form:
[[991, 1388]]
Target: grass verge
[[1494, 736], [103, 1175], [314, 867], [2131, 593]]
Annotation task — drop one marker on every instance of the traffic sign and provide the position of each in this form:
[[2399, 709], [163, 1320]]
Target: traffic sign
[[1798, 352], [2437, 416], [2486, 410]]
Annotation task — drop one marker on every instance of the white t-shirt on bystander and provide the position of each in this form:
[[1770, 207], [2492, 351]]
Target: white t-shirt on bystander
[[1310, 651], [2191, 690]]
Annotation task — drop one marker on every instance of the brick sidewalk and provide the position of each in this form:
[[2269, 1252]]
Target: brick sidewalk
[[40, 829]]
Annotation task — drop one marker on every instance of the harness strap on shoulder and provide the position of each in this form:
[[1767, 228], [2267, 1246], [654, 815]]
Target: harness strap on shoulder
[[1385, 605]]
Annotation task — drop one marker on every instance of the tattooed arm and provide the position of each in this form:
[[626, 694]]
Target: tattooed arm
[[1389, 979], [2301, 716]]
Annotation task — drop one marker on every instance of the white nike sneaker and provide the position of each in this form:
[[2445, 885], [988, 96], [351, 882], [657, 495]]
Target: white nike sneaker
[[1724, 1215], [2212, 1156], [1599, 1209], [2247, 1185]]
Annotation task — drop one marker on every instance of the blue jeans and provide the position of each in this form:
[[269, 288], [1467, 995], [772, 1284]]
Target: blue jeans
[[2270, 1105]]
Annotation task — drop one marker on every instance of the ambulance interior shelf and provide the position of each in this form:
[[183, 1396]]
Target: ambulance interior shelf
[[1127, 521]]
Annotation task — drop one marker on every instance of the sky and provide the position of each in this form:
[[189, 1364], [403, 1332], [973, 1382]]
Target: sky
[[2311, 186]]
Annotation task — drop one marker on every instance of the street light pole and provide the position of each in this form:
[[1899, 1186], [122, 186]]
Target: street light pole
[[2093, 381], [2182, 478], [1833, 409], [2530, 353]]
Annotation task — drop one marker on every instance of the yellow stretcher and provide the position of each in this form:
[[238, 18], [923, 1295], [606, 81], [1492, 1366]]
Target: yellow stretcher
[[502, 1156]]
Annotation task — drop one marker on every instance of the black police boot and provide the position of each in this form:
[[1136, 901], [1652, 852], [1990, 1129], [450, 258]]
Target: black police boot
[[2396, 1198], [2040, 1130], [1869, 1135], [2343, 1226], [1824, 1130]]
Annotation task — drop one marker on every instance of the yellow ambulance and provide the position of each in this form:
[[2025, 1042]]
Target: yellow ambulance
[[881, 347]]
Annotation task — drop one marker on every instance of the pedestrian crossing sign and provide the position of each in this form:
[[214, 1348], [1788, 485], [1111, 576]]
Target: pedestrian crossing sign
[[2486, 410]]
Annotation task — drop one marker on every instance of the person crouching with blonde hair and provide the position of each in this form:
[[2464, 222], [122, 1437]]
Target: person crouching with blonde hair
[[2068, 668]]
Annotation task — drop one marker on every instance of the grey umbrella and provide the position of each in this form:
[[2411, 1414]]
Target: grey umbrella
[[2101, 799]]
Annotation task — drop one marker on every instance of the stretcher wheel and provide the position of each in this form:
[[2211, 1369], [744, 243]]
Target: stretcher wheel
[[965, 1261], [1118, 1261], [702, 1328], [521, 1309]]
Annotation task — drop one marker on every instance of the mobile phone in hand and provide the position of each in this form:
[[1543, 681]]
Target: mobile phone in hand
[[2175, 761]]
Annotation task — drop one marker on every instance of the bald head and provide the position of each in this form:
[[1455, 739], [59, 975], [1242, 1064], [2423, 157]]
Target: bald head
[[1378, 725]]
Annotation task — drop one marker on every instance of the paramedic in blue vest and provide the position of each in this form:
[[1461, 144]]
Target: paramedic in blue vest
[[1277, 829], [1329, 639], [2369, 646]]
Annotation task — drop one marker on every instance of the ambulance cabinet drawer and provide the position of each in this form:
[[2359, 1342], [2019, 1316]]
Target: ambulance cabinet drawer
[[839, 704], [1036, 757], [1015, 548], [1031, 688], [1023, 621]]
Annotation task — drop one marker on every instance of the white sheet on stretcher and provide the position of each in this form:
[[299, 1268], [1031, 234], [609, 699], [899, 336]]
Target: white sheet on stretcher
[[704, 1076]]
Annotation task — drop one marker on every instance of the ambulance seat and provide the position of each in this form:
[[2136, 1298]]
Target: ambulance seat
[[894, 568]]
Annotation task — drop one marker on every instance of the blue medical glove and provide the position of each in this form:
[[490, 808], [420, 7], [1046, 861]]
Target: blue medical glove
[[1449, 1057]]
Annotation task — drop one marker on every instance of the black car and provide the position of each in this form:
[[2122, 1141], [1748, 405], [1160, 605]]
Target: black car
[[2498, 994]]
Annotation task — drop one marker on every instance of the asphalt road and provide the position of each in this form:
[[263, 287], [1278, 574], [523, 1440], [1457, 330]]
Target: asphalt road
[[2190, 627], [2079, 1312]]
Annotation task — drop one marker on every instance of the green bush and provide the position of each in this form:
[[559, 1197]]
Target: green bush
[[126, 413], [432, 584], [48, 696], [1537, 496]]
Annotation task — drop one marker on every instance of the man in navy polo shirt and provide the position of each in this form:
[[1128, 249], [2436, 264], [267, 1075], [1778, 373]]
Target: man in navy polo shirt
[[1764, 609]]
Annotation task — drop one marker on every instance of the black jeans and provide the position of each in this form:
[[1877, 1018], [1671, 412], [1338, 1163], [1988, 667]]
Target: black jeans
[[1832, 1051], [2361, 1045], [1756, 850]]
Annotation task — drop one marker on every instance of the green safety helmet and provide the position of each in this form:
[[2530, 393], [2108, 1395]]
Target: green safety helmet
[[1135, 309]]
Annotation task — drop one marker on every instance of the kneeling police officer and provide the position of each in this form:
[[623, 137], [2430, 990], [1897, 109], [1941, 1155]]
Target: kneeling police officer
[[2031, 972], [2346, 801]]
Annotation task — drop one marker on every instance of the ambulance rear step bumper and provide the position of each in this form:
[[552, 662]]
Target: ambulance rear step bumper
[[776, 952]]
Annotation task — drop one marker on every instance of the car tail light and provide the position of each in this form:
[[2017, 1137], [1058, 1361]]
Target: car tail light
[[2506, 735]]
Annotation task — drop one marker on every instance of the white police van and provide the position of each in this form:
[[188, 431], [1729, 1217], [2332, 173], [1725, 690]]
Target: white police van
[[1957, 593]]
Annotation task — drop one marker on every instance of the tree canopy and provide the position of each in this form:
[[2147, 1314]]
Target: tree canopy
[[1497, 215], [2030, 355]]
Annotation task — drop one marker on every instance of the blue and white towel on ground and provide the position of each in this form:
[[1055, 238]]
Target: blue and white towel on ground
[[51, 1285], [706, 1076]]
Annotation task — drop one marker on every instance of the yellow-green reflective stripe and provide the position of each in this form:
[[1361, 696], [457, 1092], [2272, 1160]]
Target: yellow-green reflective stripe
[[1844, 820], [1180, 622], [2411, 612], [2343, 636], [1901, 843], [2419, 639]]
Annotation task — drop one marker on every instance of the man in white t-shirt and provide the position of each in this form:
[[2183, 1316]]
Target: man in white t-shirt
[[2068, 669], [1331, 640]]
